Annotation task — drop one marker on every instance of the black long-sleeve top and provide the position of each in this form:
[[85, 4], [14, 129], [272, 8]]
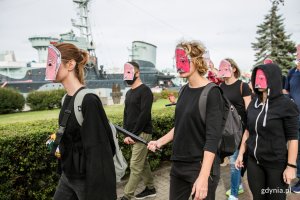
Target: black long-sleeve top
[[192, 137], [137, 111], [86, 151]]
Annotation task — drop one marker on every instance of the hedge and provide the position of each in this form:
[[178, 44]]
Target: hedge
[[11, 101], [44, 100], [26, 170]]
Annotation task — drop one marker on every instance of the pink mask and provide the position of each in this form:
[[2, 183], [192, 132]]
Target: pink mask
[[128, 72], [53, 63], [225, 69], [260, 79], [182, 60], [268, 61]]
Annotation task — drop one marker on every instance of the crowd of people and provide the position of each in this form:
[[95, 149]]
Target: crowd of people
[[269, 112]]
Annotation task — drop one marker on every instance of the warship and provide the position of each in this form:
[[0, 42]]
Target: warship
[[26, 77]]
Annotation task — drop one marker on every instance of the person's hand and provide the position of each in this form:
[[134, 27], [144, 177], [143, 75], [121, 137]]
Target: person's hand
[[289, 174], [239, 162], [153, 145], [200, 188], [172, 99], [128, 140]]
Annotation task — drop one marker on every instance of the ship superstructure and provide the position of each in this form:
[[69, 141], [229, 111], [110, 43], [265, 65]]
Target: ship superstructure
[[26, 77]]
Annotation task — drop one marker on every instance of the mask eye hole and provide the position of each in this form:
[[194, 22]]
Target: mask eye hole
[[49, 64]]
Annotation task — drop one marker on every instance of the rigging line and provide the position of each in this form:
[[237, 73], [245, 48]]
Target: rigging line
[[158, 19]]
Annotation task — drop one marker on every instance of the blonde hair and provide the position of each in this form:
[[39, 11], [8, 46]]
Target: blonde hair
[[237, 72], [71, 52], [196, 51]]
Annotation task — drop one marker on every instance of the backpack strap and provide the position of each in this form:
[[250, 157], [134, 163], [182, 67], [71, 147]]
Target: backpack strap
[[203, 100], [241, 88], [78, 103], [63, 99]]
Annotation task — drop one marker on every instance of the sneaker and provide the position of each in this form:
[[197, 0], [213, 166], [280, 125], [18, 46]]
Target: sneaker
[[241, 190], [232, 198], [296, 188], [146, 193], [124, 198]]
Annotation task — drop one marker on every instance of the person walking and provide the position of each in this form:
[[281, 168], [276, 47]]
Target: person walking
[[87, 151], [292, 88], [137, 119], [195, 167], [271, 137], [239, 94]]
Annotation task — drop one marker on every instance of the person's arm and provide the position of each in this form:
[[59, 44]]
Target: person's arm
[[153, 145], [200, 186], [247, 100], [239, 161], [145, 115], [291, 127], [98, 148], [213, 125], [246, 94], [290, 172]]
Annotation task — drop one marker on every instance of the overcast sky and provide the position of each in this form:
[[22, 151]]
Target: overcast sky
[[226, 27]]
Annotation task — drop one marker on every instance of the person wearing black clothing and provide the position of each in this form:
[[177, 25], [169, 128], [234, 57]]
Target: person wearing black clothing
[[87, 151], [272, 137], [239, 94], [137, 119], [195, 167]]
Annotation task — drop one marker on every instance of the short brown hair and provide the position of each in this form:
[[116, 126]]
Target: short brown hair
[[196, 51], [71, 52]]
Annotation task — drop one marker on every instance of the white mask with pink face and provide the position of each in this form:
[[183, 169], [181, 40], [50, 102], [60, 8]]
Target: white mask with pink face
[[182, 61], [225, 69], [53, 63], [260, 80], [128, 72]]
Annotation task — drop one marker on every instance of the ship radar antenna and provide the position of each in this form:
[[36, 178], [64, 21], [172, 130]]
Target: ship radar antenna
[[83, 24]]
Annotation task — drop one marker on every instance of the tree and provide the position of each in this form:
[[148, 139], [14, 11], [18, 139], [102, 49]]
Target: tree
[[278, 1], [273, 42]]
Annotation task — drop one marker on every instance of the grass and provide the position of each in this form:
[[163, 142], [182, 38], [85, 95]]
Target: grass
[[53, 114]]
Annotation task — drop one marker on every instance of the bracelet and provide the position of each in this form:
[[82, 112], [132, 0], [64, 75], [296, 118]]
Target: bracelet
[[291, 165]]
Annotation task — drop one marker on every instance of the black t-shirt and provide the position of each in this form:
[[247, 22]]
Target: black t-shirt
[[235, 93], [191, 136], [137, 112]]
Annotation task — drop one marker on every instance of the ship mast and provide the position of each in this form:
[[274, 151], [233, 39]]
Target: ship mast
[[83, 24]]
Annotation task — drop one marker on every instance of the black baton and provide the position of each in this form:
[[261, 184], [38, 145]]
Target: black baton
[[133, 136]]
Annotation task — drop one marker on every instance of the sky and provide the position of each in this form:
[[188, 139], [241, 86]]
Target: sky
[[226, 27]]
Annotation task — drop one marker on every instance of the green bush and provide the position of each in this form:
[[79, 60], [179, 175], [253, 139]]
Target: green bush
[[44, 100], [156, 96], [26, 170], [11, 101]]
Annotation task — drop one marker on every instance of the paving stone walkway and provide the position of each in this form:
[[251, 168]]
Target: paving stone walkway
[[162, 178]]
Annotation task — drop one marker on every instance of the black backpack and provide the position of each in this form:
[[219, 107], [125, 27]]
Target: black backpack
[[232, 130]]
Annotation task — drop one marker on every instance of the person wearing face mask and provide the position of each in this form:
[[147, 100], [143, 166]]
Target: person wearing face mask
[[87, 151], [239, 94], [137, 119], [271, 136], [195, 165]]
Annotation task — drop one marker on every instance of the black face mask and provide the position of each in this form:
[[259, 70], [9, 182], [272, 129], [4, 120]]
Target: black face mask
[[130, 82]]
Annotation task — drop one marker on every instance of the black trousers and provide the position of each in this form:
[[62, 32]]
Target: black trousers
[[70, 189], [182, 177], [266, 183]]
